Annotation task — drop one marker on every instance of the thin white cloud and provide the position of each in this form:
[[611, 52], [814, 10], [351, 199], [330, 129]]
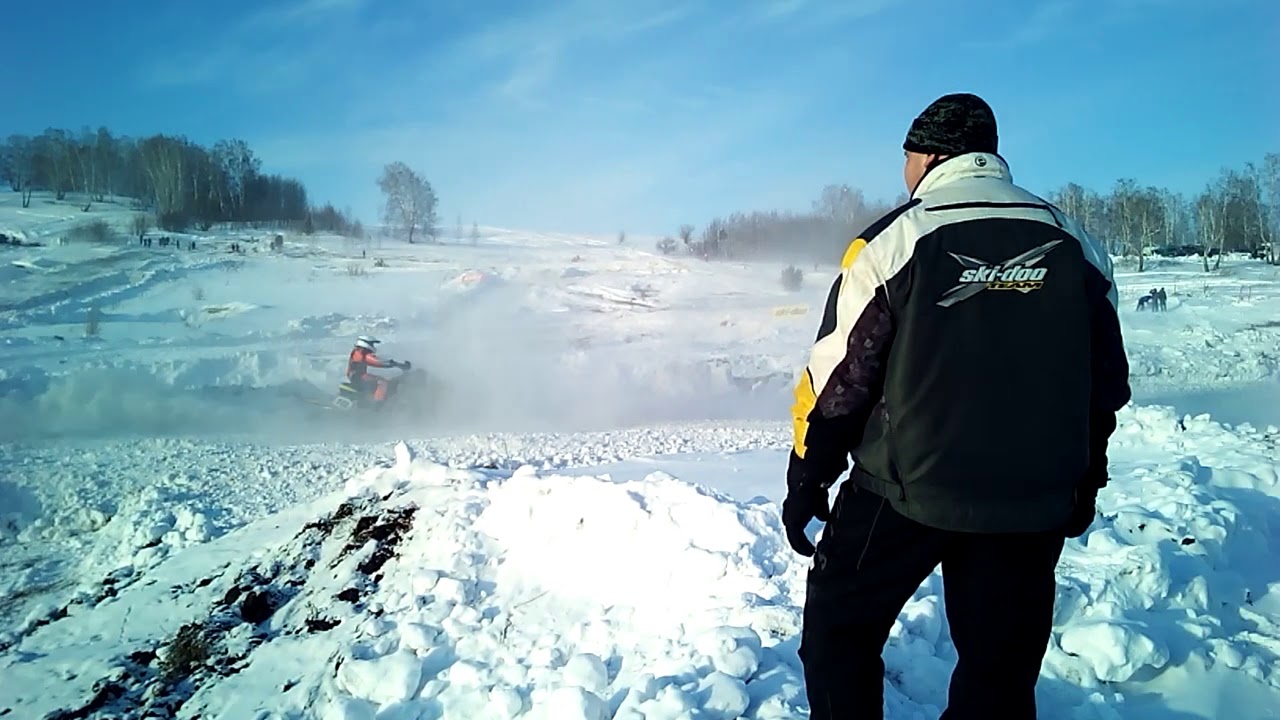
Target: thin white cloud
[[299, 12], [532, 47], [1040, 24], [811, 13], [252, 54]]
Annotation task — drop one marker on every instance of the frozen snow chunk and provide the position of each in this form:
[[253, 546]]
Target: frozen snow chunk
[[387, 679], [345, 708], [734, 651], [404, 456], [505, 702], [418, 637], [586, 671], [546, 656], [451, 590], [1227, 654], [574, 703], [923, 618], [147, 558], [377, 627], [1116, 649], [466, 674], [723, 697], [466, 615], [670, 702], [433, 688], [411, 710], [424, 581]]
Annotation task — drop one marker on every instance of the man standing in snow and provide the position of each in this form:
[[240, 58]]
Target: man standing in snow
[[970, 362]]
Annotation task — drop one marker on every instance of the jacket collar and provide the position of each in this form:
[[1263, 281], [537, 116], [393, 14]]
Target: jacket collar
[[960, 167]]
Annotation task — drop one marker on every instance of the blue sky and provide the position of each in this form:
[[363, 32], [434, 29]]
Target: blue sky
[[598, 116]]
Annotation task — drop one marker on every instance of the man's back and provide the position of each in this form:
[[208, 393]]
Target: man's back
[[982, 424], [970, 360]]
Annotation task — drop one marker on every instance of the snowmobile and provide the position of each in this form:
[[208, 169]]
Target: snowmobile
[[351, 397], [408, 393]]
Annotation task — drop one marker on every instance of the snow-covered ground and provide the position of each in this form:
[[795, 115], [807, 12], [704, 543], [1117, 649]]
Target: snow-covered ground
[[585, 527]]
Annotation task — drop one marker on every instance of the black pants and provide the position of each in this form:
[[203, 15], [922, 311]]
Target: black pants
[[999, 594]]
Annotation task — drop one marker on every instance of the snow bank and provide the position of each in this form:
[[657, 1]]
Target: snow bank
[[1204, 357], [395, 602], [659, 546], [426, 591]]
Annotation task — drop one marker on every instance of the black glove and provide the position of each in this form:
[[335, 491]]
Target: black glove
[[406, 365], [798, 509], [1084, 511], [806, 500]]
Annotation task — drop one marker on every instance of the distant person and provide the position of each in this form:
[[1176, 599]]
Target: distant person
[[970, 361], [364, 356], [1163, 297], [1146, 300]]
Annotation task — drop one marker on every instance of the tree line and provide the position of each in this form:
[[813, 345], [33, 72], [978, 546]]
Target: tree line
[[822, 233], [183, 183], [1238, 211]]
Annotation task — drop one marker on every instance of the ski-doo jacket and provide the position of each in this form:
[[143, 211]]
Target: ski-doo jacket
[[969, 359]]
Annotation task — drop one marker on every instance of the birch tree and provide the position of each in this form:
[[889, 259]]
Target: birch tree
[[409, 211]]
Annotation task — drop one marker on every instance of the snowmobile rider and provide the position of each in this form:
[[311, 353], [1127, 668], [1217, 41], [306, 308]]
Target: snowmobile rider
[[363, 357]]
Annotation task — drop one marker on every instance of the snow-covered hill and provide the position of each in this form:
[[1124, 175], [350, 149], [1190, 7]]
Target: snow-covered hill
[[587, 527]]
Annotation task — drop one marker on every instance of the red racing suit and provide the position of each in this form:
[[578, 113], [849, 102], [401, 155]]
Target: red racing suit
[[358, 374]]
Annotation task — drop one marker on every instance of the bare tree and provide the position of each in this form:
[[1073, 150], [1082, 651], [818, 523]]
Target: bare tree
[[141, 224], [686, 234], [841, 204], [1251, 196], [475, 234], [20, 166], [410, 209], [1084, 206], [667, 246], [1177, 217], [1211, 216], [51, 157], [1270, 174], [1138, 216], [240, 167], [622, 237]]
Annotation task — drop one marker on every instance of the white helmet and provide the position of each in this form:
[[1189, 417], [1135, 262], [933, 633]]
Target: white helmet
[[367, 342]]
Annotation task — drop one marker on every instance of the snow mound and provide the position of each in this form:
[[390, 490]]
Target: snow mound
[[422, 590], [1175, 581], [659, 546], [1206, 357], [394, 601]]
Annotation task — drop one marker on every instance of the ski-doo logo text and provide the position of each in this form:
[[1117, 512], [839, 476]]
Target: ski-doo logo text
[[1014, 278], [1017, 273]]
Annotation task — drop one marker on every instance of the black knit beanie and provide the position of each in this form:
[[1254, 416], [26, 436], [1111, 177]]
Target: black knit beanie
[[953, 125]]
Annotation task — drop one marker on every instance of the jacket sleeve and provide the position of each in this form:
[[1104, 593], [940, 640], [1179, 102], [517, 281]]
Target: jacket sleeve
[[374, 361], [844, 378], [1110, 389]]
